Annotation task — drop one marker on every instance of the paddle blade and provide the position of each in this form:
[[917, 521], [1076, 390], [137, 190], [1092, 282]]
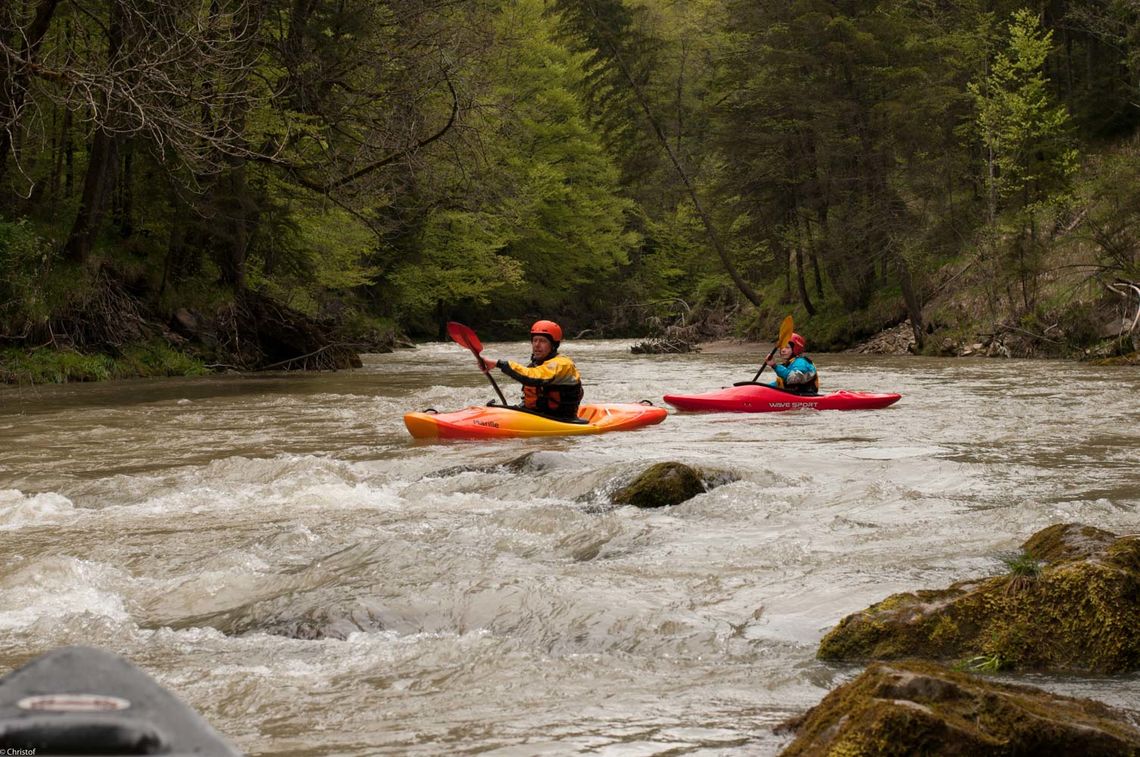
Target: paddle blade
[[461, 334], [786, 329]]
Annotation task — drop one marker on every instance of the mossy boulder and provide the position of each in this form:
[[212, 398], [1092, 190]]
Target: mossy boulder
[[1068, 541], [924, 708], [660, 485], [1079, 613]]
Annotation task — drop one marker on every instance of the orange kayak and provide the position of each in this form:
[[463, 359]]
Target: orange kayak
[[496, 421]]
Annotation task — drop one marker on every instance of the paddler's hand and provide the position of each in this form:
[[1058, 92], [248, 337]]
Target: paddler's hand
[[771, 362], [488, 363]]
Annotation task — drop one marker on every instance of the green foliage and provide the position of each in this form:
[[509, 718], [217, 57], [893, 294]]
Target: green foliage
[[670, 258], [369, 332], [339, 244], [1023, 564], [838, 130], [312, 249], [46, 366], [982, 664], [1024, 130], [620, 53], [1111, 193], [461, 261], [544, 219], [499, 159], [1029, 154], [50, 366], [25, 263], [1023, 569], [154, 359]]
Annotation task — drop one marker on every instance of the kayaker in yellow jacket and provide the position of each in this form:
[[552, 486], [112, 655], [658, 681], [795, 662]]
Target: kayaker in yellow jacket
[[551, 384]]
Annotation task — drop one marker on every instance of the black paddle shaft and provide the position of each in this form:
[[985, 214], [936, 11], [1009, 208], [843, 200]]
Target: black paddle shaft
[[786, 329], [765, 363]]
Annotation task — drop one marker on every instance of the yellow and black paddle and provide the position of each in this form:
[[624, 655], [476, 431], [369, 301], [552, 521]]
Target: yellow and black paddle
[[786, 329], [464, 336]]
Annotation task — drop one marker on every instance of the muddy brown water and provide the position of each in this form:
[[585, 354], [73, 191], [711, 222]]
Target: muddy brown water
[[280, 553]]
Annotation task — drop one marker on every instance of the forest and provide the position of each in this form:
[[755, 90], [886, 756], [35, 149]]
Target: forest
[[196, 185]]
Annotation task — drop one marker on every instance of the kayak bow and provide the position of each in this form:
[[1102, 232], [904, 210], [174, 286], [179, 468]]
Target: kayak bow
[[86, 701]]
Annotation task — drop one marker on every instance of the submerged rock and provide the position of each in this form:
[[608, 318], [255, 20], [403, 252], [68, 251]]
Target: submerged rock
[[922, 708], [661, 485], [528, 463], [1070, 603]]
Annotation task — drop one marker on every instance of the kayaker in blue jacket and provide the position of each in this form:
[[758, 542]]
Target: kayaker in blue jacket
[[551, 384], [796, 373]]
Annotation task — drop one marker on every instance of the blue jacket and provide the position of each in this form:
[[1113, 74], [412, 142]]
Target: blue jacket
[[797, 375]]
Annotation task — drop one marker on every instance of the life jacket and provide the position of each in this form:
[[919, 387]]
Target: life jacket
[[552, 387], [560, 401], [805, 387]]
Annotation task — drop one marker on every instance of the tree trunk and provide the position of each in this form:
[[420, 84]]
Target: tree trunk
[[804, 298], [123, 208], [787, 295], [706, 219], [803, 232], [101, 159], [238, 224], [913, 306], [15, 86], [59, 183], [91, 204]]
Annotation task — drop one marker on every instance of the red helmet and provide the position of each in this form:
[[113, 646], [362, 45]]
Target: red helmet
[[797, 343], [548, 329]]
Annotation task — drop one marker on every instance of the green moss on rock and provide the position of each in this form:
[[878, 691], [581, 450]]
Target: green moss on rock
[[1067, 541], [1077, 615], [915, 708], [661, 485], [1125, 552]]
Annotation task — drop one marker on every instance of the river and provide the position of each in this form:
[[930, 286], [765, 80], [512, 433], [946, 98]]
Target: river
[[280, 553]]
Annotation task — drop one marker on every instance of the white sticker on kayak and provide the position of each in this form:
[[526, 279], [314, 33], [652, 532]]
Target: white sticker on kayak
[[73, 703]]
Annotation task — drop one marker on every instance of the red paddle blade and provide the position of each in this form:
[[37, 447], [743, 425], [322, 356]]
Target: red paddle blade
[[461, 334]]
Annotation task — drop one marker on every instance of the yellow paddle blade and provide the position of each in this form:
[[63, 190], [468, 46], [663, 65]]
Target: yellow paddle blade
[[786, 329]]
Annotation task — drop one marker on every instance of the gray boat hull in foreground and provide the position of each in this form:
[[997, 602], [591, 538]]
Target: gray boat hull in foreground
[[86, 701]]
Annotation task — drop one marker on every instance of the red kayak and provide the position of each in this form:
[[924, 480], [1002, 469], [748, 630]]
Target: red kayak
[[747, 397]]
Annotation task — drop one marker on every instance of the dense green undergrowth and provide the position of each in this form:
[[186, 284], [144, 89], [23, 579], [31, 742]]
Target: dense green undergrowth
[[51, 366]]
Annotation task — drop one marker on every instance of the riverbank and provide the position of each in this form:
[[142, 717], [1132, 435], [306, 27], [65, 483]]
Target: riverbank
[[899, 340], [108, 333]]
